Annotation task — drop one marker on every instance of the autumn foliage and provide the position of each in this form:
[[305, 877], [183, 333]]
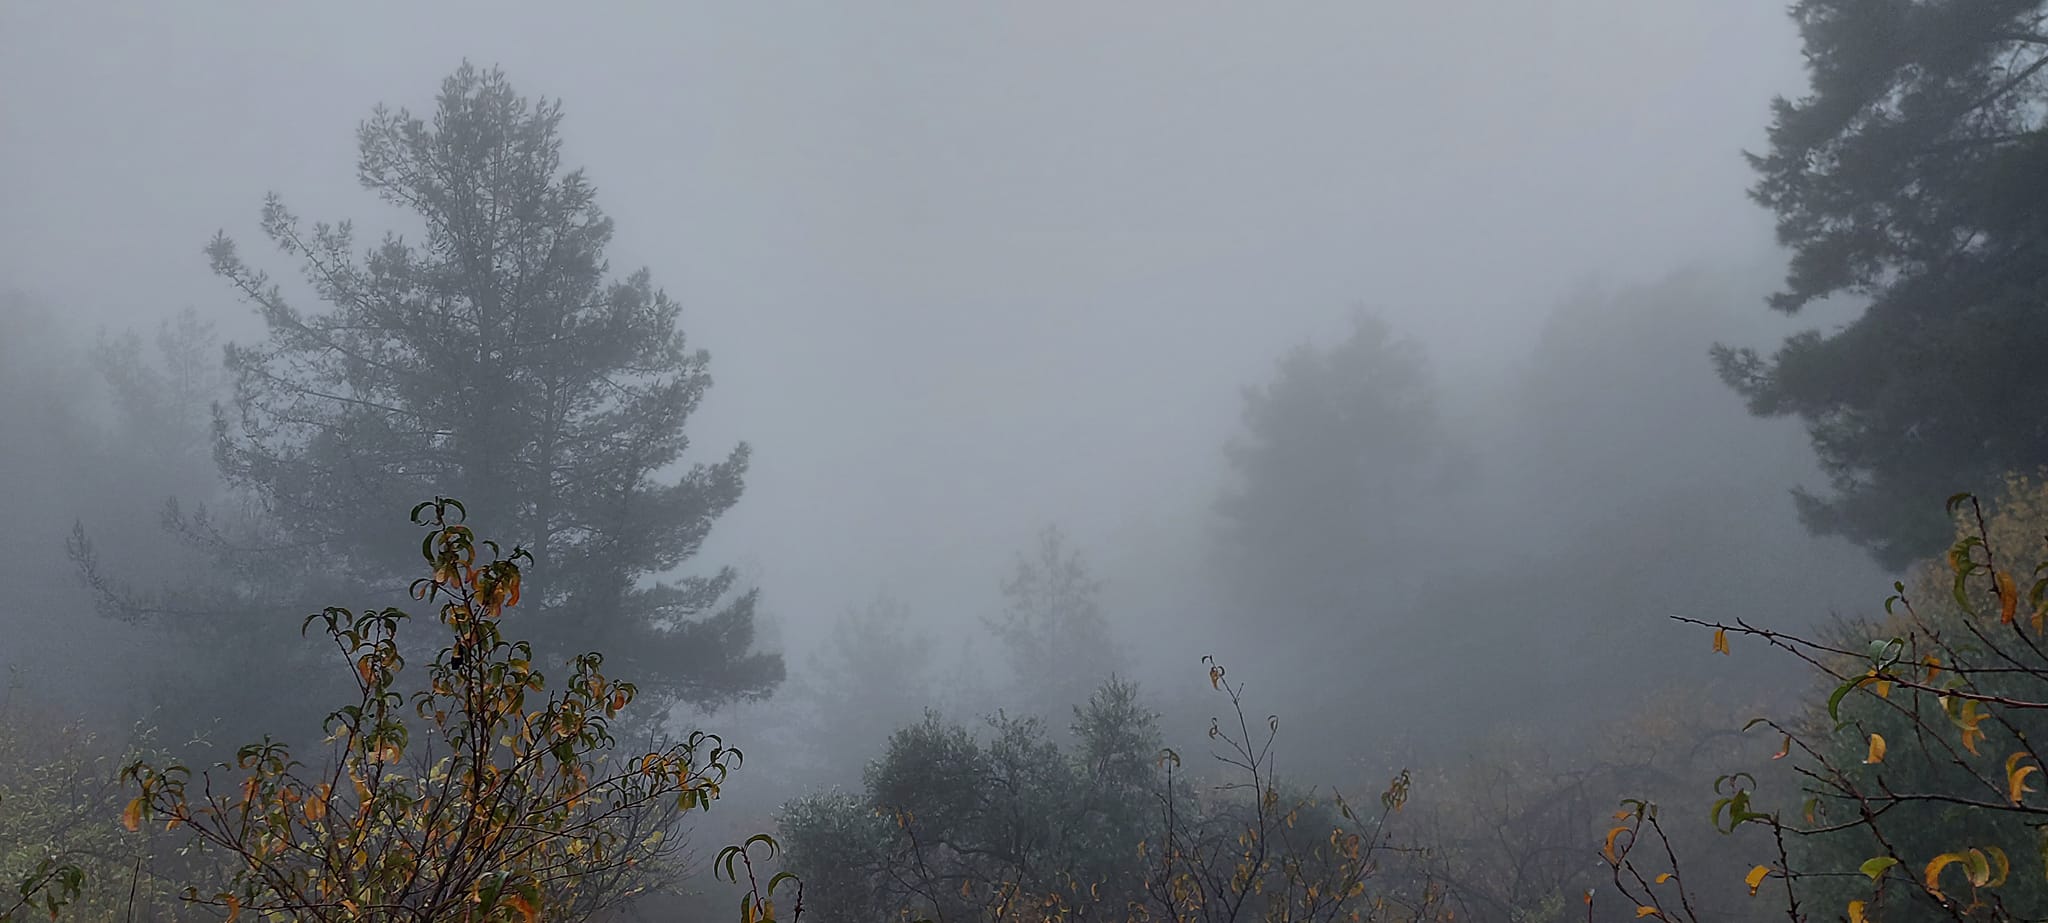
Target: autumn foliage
[[489, 791], [1911, 786]]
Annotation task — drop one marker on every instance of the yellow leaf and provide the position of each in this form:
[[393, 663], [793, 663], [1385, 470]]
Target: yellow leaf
[[131, 816], [1968, 716], [1649, 912], [1883, 688], [2008, 598], [1856, 913], [234, 906], [2016, 776], [1876, 749], [1755, 878], [1664, 878], [1931, 875], [1721, 640]]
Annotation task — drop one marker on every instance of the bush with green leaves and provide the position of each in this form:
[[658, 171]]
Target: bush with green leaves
[[1918, 761], [61, 847], [951, 825]]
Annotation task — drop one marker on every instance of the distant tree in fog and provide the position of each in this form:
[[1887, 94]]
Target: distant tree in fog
[[496, 358], [161, 398], [1330, 477], [1051, 626], [1911, 175], [874, 674]]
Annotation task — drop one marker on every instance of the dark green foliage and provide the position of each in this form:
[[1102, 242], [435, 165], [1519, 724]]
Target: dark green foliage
[[946, 821], [496, 357], [1910, 177]]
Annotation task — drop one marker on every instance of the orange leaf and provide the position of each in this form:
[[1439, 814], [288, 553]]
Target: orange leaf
[[2008, 598], [131, 816], [1649, 912], [1721, 640], [1856, 913], [1608, 849], [525, 907]]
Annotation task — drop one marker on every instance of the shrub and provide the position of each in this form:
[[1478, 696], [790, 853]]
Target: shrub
[[487, 792], [1919, 758], [950, 826]]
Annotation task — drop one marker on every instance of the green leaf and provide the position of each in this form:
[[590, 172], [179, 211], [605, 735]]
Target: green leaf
[[1835, 701], [1872, 868]]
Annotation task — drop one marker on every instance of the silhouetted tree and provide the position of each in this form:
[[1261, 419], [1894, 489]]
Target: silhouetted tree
[[1332, 474], [497, 359], [1910, 176], [1051, 626]]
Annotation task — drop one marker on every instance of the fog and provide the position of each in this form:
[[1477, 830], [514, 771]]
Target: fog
[[966, 271]]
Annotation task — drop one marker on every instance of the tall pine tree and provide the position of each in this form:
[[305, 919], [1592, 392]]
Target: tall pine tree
[[1911, 176], [496, 359]]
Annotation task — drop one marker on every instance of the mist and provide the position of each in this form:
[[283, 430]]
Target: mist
[[992, 294]]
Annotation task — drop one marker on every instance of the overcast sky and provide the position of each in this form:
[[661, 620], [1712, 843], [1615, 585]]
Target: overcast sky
[[963, 267]]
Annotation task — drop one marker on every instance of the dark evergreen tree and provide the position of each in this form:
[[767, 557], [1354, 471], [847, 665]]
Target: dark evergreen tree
[[1910, 176], [495, 358]]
